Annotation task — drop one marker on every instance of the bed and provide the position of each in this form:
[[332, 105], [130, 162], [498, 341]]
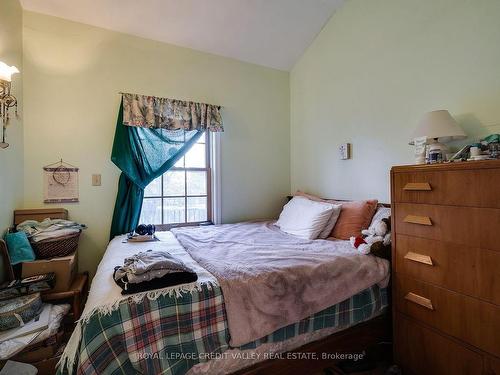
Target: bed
[[192, 328]]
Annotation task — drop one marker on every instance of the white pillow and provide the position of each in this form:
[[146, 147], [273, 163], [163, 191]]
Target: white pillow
[[381, 213], [304, 218], [327, 230]]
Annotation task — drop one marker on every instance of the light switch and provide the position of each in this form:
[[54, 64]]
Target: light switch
[[96, 180], [345, 151]]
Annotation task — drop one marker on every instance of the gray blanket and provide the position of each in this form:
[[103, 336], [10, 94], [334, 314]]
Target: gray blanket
[[271, 279]]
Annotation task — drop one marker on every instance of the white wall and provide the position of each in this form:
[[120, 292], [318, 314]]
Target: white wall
[[73, 73], [373, 71], [11, 158]]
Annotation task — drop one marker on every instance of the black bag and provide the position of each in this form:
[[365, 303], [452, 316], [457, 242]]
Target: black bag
[[28, 285]]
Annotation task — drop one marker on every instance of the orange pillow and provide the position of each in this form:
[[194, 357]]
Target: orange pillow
[[354, 217]]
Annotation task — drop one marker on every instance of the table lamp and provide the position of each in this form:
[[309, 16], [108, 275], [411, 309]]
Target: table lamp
[[438, 127]]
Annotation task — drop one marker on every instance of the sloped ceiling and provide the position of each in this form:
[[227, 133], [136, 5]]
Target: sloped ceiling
[[273, 33]]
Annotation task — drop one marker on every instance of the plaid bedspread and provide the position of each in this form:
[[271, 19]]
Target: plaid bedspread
[[171, 334]]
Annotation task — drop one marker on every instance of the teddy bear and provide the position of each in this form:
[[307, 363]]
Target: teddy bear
[[375, 240]]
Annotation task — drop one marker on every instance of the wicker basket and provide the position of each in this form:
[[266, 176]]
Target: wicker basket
[[56, 247]]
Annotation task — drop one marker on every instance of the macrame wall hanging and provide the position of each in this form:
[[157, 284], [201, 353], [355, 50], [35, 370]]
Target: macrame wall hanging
[[60, 180]]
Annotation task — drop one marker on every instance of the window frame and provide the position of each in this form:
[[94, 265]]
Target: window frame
[[209, 155]]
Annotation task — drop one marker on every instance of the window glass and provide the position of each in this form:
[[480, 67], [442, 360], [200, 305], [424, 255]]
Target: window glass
[[151, 211], [174, 183], [153, 189], [196, 182], [181, 195], [195, 157], [174, 210], [196, 209]]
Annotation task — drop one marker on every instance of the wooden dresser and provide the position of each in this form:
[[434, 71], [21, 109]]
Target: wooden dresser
[[446, 268]]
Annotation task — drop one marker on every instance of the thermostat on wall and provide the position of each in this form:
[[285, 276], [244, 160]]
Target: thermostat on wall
[[345, 151]]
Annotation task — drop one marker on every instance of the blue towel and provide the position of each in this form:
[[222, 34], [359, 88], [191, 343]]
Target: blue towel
[[19, 248]]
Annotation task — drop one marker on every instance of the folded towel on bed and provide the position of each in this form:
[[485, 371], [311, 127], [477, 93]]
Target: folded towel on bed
[[152, 270]]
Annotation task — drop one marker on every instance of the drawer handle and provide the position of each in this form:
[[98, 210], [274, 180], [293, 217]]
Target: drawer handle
[[417, 186], [420, 258], [421, 220], [419, 300]]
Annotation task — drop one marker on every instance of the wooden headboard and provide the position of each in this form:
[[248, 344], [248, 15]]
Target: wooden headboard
[[39, 214], [343, 200]]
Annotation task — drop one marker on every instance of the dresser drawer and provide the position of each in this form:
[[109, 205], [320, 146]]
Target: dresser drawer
[[468, 270], [457, 187], [466, 318], [423, 351], [475, 227]]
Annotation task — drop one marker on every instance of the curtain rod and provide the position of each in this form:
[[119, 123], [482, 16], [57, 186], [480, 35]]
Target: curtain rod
[[192, 101]]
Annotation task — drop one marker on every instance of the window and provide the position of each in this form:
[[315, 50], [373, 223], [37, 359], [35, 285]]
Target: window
[[182, 195]]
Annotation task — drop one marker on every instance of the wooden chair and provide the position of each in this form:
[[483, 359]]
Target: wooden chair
[[6, 270], [76, 295]]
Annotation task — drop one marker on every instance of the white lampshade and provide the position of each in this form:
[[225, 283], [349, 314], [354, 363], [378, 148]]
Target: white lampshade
[[438, 124], [7, 71]]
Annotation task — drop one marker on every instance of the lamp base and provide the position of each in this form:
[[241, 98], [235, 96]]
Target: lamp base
[[435, 145], [437, 152]]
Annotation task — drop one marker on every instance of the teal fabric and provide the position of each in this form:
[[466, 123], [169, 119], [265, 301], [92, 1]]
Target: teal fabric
[[19, 248], [142, 154]]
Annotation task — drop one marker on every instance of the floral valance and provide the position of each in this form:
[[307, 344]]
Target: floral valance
[[153, 112]]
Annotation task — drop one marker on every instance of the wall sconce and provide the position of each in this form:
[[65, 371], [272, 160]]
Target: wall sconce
[[7, 100]]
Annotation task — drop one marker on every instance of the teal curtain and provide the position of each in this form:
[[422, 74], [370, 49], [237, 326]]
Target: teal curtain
[[142, 154]]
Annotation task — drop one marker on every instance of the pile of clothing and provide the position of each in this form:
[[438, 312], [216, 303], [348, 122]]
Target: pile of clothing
[[10, 347], [49, 228], [152, 270]]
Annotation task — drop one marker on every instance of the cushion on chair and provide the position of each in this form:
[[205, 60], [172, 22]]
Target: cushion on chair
[[19, 248]]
